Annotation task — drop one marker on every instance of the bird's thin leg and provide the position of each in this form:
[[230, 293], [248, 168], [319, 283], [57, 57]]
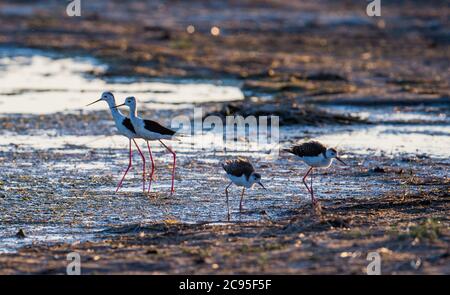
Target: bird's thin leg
[[126, 171], [143, 165], [242, 199], [153, 166], [304, 179], [174, 164], [311, 187], [228, 204]]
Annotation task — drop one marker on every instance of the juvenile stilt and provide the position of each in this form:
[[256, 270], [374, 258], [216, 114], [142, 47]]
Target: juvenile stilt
[[315, 155], [241, 172]]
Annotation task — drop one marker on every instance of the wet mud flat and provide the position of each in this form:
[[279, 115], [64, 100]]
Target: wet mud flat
[[337, 240], [59, 170], [62, 198]]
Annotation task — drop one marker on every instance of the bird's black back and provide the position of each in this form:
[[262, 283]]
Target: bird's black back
[[153, 126], [308, 149]]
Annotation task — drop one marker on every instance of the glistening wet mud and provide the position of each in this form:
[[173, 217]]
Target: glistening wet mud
[[60, 162]]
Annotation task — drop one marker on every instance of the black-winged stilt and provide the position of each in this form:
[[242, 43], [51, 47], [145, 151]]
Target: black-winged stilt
[[242, 173], [315, 155], [151, 130], [125, 128]]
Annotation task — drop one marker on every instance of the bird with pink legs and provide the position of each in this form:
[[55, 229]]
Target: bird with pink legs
[[315, 155], [150, 131], [125, 128]]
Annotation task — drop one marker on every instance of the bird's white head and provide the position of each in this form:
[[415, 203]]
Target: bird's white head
[[106, 96], [255, 178], [332, 153], [130, 102]]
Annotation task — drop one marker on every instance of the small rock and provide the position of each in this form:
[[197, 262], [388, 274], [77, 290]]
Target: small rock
[[21, 234], [151, 251], [326, 77], [422, 156], [199, 260]]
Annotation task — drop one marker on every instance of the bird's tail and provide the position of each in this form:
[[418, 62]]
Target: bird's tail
[[180, 136]]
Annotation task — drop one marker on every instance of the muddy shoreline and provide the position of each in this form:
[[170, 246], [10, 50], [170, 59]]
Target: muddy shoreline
[[306, 52], [292, 59], [337, 240], [401, 212]]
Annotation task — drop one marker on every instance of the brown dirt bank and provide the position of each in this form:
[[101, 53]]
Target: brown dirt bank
[[410, 232], [308, 51]]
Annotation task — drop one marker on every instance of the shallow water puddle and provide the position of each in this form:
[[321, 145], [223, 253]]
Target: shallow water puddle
[[37, 82], [389, 140], [398, 114], [392, 140]]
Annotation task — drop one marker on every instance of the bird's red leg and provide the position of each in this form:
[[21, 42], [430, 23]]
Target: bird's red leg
[[228, 204], [153, 166], [143, 165], [304, 179], [174, 164], [126, 171]]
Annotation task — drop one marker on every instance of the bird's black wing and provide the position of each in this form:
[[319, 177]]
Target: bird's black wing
[[308, 149], [238, 167], [127, 123], [153, 126]]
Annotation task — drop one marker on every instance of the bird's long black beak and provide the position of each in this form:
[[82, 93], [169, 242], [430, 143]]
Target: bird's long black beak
[[115, 107], [262, 185], [337, 158], [94, 102]]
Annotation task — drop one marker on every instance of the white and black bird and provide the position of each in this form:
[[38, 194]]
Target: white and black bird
[[242, 173], [315, 155], [151, 130], [125, 128]]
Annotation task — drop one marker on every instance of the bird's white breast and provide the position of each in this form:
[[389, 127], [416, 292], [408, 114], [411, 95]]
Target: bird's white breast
[[318, 161], [239, 181]]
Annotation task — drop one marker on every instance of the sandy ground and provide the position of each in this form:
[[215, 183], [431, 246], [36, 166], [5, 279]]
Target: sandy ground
[[314, 52]]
